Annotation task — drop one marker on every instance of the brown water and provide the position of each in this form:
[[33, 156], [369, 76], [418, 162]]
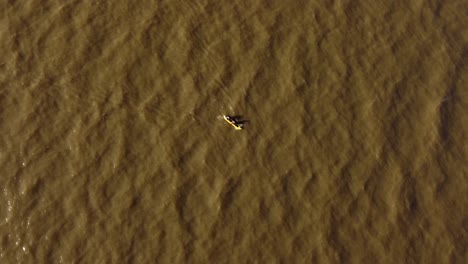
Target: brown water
[[113, 149]]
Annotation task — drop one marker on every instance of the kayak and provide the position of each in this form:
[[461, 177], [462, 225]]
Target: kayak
[[232, 122]]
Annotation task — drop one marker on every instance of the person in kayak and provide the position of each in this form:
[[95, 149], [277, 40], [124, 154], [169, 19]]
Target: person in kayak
[[235, 122]]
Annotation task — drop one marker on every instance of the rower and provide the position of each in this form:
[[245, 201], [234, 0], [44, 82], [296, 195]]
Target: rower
[[237, 124]]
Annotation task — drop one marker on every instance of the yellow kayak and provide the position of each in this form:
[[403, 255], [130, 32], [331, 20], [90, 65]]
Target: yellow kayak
[[232, 122]]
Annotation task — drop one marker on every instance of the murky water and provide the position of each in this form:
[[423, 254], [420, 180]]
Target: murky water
[[113, 149]]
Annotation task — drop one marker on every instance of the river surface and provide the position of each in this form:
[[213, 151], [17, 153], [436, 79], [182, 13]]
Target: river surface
[[113, 148]]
